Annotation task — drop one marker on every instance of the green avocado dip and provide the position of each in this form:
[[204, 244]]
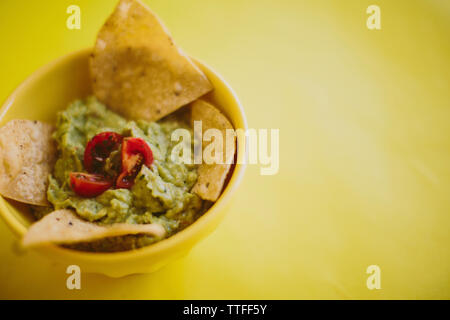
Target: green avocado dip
[[160, 194]]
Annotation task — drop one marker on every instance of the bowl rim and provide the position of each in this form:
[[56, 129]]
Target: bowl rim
[[166, 244]]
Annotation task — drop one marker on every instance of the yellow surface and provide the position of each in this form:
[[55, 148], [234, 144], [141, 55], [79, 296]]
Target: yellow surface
[[364, 148]]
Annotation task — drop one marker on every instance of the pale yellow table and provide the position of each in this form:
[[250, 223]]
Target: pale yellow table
[[364, 119]]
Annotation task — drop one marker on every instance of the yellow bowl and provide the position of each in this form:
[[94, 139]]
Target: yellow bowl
[[50, 89]]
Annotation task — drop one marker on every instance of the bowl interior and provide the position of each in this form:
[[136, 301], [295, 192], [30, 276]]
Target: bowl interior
[[52, 87]]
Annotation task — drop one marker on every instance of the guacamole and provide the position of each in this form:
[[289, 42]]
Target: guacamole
[[160, 193]]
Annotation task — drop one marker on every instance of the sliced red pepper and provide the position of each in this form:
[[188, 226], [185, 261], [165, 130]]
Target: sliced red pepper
[[89, 185], [98, 150], [135, 153]]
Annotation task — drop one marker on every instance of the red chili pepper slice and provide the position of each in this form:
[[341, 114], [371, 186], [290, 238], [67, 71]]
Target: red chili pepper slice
[[88, 185], [98, 150], [135, 153]]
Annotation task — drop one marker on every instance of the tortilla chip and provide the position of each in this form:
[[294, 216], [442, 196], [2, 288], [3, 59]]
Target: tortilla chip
[[136, 68], [65, 227], [212, 177], [27, 157]]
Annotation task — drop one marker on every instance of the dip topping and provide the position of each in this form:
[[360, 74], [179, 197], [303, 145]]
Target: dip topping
[[135, 153], [99, 149], [88, 184]]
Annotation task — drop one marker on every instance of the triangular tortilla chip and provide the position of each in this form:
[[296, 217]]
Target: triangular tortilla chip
[[212, 177], [65, 227], [27, 156], [136, 68]]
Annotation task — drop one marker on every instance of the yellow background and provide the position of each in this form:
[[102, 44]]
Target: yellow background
[[364, 119]]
